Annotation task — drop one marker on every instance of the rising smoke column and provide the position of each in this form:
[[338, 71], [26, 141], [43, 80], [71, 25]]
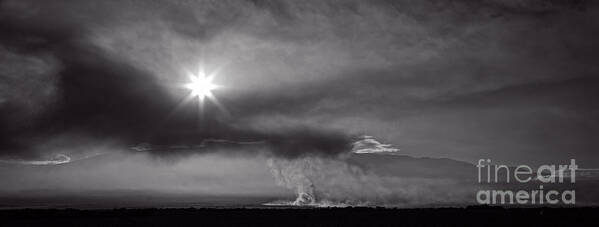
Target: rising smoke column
[[324, 181], [292, 174]]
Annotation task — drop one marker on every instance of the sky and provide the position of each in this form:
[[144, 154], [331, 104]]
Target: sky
[[510, 80]]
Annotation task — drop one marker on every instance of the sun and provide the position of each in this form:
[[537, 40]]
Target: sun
[[201, 86]]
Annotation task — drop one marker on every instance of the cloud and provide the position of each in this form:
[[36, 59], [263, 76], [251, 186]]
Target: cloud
[[369, 144], [59, 159], [327, 68]]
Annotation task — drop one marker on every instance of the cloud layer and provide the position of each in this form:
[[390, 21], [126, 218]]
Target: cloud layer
[[508, 80]]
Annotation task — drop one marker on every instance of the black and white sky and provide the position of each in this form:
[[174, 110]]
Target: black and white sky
[[511, 80]]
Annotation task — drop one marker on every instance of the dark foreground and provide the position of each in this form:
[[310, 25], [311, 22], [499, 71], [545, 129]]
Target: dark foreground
[[471, 216]]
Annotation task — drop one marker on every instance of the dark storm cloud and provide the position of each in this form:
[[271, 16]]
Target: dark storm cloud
[[304, 74], [102, 97], [97, 94]]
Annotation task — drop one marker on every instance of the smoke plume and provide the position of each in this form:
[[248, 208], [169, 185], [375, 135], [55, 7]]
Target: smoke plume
[[325, 181]]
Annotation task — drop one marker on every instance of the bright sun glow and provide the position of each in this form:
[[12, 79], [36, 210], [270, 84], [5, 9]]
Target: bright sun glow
[[201, 86]]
